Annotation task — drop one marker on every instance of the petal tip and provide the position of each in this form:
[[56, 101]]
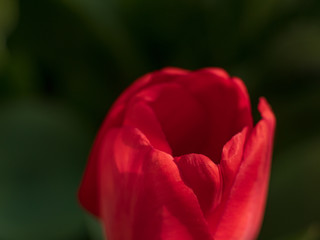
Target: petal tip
[[265, 110], [219, 72], [173, 70]]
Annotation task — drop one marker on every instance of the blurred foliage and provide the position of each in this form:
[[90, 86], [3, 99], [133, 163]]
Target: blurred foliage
[[41, 145], [63, 63]]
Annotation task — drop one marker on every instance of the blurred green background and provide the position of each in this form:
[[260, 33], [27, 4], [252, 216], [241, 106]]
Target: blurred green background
[[63, 63]]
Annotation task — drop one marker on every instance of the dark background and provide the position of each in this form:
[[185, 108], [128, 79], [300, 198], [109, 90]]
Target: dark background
[[63, 63]]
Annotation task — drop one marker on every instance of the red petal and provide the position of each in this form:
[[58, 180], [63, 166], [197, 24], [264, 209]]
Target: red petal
[[165, 75], [215, 71], [243, 103], [203, 177], [244, 208], [232, 154], [181, 117], [141, 116], [142, 194], [225, 103]]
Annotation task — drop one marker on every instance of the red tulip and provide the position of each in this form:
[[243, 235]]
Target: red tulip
[[178, 157]]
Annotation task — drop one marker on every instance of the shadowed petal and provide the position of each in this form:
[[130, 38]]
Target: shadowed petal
[[225, 102], [182, 118], [143, 194]]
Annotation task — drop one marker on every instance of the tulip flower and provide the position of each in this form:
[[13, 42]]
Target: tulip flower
[[179, 158]]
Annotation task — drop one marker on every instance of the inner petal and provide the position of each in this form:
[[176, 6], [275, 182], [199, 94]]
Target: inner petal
[[200, 112], [226, 104], [182, 118], [203, 177]]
